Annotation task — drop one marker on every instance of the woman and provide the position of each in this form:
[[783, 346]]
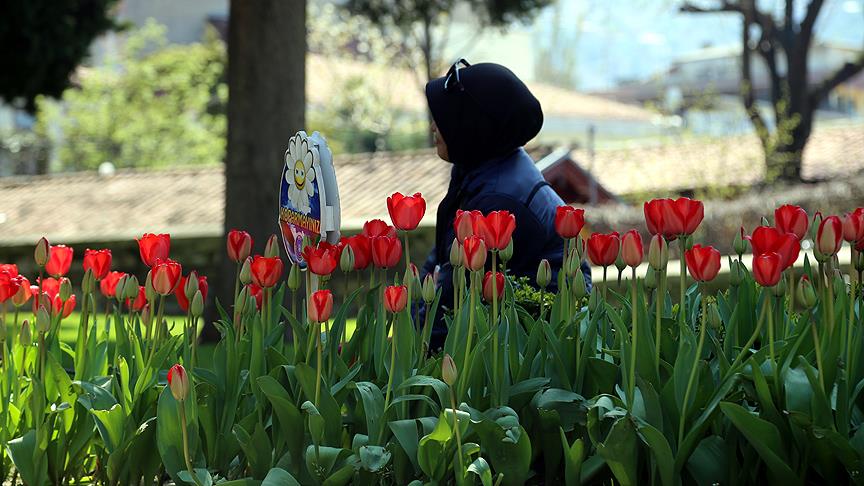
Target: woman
[[482, 116]]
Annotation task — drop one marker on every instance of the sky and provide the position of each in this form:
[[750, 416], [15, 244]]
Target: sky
[[635, 39]]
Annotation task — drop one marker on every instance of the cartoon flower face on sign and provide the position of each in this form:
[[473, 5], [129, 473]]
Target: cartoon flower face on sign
[[300, 174]]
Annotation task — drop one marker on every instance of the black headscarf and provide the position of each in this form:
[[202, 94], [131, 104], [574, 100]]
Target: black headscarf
[[485, 113]]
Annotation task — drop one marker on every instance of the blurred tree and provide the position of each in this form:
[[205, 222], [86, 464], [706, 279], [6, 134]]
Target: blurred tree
[[784, 44], [154, 106], [266, 106], [557, 55], [413, 24], [360, 113], [43, 41]]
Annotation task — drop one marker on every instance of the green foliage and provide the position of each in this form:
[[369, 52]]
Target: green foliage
[[43, 41], [361, 118], [154, 106]]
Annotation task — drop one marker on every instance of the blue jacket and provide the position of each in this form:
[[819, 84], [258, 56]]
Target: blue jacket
[[512, 183]]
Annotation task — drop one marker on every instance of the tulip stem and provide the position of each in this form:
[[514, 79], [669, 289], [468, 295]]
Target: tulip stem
[[187, 459], [693, 370], [790, 297], [424, 336], [237, 282], [606, 327], [849, 332], [634, 340], [41, 356], [494, 326], [317, 331], [392, 370], [466, 365], [774, 370], [683, 283], [749, 342], [817, 346], [458, 433], [659, 298], [830, 286]]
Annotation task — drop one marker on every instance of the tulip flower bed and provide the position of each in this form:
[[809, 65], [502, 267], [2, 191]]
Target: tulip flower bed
[[758, 383]]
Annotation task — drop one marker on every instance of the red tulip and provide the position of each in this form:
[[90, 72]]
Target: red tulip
[[166, 276], [386, 251], [239, 245], [631, 248], [767, 268], [682, 216], [376, 227], [9, 268], [767, 239], [59, 260], [9, 285], [474, 253], [180, 291], [603, 248], [395, 298], [51, 286], [406, 211], [791, 219], [703, 262], [859, 245], [569, 221], [63, 309], [362, 247], [266, 271], [465, 223], [99, 261], [154, 247], [321, 259], [140, 301], [257, 292], [654, 210], [853, 225], [320, 306], [178, 382], [487, 285], [108, 285], [830, 236], [498, 230], [23, 294]]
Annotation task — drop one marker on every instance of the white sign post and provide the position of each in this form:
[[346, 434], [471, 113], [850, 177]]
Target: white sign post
[[308, 195]]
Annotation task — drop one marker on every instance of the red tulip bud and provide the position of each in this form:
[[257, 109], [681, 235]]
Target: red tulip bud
[[395, 298], [41, 252], [474, 253], [631, 248], [488, 289], [178, 382], [239, 245], [320, 306]]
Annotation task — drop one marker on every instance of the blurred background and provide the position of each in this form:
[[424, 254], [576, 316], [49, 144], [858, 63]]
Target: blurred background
[[120, 117]]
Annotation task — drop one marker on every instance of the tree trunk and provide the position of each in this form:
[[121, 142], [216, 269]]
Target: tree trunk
[[783, 160], [266, 106]]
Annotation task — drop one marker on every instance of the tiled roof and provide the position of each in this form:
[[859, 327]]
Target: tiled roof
[[733, 161], [84, 206], [189, 202]]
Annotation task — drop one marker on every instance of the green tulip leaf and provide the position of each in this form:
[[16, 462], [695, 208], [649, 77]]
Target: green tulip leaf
[[765, 438]]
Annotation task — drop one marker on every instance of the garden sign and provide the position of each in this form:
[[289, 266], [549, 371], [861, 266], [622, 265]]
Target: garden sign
[[308, 195]]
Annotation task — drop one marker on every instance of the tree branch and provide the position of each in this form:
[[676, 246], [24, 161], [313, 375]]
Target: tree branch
[[790, 10], [842, 75], [813, 9], [747, 95], [725, 6]]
